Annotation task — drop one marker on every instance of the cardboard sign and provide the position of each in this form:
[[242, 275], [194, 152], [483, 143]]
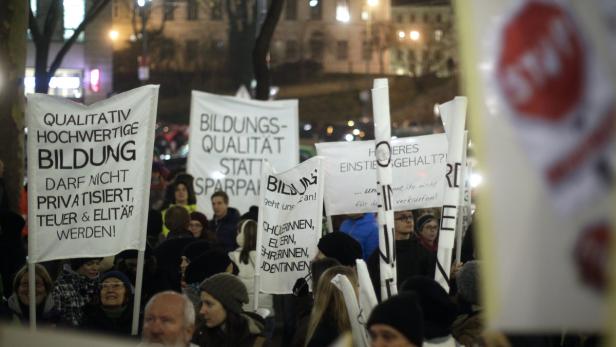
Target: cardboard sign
[[229, 140], [88, 174], [418, 168], [290, 215]]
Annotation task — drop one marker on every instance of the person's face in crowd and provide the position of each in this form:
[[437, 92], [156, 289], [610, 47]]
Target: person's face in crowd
[[196, 228], [219, 206], [382, 335], [212, 311], [24, 295], [403, 224], [164, 322], [184, 265], [429, 231], [181, 194], [90, 269], [113, 292]]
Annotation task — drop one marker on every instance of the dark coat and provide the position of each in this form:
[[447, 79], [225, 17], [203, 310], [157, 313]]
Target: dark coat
[[46, 312], [96, 320], [325, 334], [226, 229], [412, 259]]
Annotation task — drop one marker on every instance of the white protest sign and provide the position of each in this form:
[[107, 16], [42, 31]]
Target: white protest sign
[[418, 168], [543, 115], [453, 114], [88, 174], [229, 140], [290, 214]]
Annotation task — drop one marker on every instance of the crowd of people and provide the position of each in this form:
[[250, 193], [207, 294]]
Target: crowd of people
[[198, 282]]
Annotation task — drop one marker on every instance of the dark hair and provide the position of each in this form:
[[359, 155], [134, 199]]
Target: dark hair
[[236, 333], [185, 179], [249, 228], [176, 218], [222, 194]]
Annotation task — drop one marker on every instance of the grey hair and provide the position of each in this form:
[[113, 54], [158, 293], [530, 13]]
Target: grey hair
[[189, 309]]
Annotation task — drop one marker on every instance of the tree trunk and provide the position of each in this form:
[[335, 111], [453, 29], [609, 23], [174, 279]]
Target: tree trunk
[[13, 24], [259, 53]]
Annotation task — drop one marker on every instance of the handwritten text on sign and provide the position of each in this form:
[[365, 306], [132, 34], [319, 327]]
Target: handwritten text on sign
[[418, 164]]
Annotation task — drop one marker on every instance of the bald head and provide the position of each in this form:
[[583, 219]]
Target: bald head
[[169, 320]]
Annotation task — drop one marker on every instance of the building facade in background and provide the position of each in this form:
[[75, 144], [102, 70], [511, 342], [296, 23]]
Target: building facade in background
[[425, 40], [85, 74]]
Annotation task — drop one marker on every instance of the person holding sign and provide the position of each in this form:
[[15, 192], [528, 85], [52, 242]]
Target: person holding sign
[[222, 297], [76, 287], [225, 220]]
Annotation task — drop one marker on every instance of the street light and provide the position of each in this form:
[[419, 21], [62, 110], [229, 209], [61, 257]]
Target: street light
[[113, 35], [414, 35]]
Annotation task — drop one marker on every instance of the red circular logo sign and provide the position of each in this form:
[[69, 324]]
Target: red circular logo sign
[[541, 65], [592, 254]]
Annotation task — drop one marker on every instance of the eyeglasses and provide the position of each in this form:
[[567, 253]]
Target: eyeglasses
[[111, 286]]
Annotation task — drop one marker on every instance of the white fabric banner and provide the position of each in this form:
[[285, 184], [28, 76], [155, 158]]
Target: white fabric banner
[[230, 138], [290, 223], [418, 168], [544, 106], [89, 174]]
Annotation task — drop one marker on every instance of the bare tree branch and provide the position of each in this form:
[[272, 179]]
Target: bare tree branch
[[33, 25]]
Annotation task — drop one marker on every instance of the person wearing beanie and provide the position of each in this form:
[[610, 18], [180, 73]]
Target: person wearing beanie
[[113, 314], [468, 326], [397, 322], [198, 227], [76, 286], [426, 229], [341, 247], [224, 321], [439, 311], [18, 304]]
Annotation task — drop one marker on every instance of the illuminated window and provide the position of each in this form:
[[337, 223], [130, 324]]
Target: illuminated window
[[74, 12]]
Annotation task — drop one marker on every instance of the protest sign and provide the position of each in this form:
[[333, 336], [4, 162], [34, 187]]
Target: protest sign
[[543, 112], [229, 140], [418, 168], [453, 114], [290, 214], [88, 174]]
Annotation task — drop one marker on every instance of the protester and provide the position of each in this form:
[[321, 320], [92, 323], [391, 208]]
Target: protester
[[191, 252], [412, 259], [439, 311], [364, 229], [468, 326], [211, 262], [169, 320], [224, 222], [427, 232], [18, 304], [183, 196], [168, 259], [177, 221], [114, 312], [158, 185], [12, 248], [329, 317], [198, 226], [77, 286], [341, 247], [225, 324], [245, 259], [397, 322]]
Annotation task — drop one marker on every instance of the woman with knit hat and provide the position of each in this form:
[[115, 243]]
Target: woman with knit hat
[[225, 323], [427, 232], [397, 322]]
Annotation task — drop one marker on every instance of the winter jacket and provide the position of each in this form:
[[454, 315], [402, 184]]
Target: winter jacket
[[46, 313], [226, 229], [97, 320], [72, 292], [365, 230]]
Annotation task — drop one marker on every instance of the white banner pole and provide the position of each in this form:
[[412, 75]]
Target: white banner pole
[[32, 294], [461, 210], [385, 212], [138, 286]]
